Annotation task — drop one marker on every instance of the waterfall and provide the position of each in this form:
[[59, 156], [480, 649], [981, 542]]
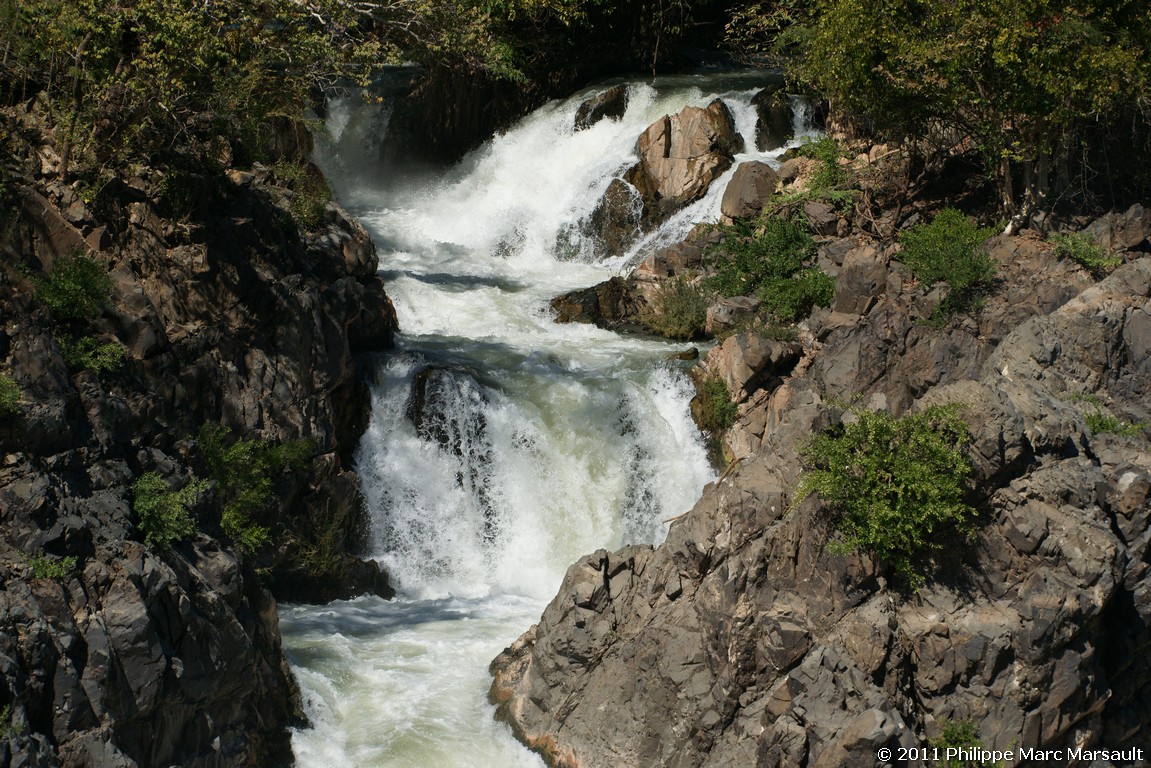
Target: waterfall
[[502, 446]]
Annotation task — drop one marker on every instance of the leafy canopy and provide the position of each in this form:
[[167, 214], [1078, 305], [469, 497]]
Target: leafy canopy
[[891, 486], [1020, 77]]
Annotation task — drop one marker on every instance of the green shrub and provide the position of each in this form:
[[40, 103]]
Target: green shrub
[[1101, 422], [1080, 248], [890, 485], [716, 411], [9, 396], [77, 288], [830, 173], [244, 470], [88, 354], [55, 568], [950, 250], [680, 310], [957, 735], [310, 194], [769, 259], [164, 515]]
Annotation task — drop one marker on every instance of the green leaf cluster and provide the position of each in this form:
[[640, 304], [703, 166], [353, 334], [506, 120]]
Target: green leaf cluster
[[715, 411], [1100, 422], [88, 354], [680, 310], [770, 259], [951, 250], [164, 77], [77, 288], [956, 735], [892, 486], [1021, 78], [310, 194], [244, 471], [54, 568], [164, 515], [1080, 248], [9, 396]]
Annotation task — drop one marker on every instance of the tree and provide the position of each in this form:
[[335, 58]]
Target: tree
[[1021, 78], [161, 77]]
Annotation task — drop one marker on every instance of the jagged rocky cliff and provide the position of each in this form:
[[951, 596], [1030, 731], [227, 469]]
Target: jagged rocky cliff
[[744, 640], [228, 315]]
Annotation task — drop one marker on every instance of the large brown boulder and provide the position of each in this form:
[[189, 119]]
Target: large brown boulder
[[680, 156], [752, 184]]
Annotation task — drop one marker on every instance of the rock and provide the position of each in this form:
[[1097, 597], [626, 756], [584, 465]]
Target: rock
[[1122, 231], [821, 217], [752, 184], [730, 312], [610, 304], [680, 156], [775, 121], [744, 639], [861, 281], [614, 223], [149, 656], [747, 362], [672, 260], [610, 103], [790, 169]]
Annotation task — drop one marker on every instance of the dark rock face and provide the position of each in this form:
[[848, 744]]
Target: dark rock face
[[775, 118], [144, 655], [743, 640], [611, 103], [615, 222], [611, 304]]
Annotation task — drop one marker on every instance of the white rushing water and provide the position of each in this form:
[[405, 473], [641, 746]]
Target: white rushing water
[[502, 446]]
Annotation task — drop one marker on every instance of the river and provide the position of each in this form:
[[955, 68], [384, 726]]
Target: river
[[502, 446]]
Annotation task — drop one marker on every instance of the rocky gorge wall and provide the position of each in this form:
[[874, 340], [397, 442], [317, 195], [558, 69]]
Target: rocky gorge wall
[[228, 315], [745, 640]]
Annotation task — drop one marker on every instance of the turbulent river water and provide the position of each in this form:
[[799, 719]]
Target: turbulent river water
[[502, 445]]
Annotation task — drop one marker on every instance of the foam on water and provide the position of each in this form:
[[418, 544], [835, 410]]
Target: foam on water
[[502, 446]]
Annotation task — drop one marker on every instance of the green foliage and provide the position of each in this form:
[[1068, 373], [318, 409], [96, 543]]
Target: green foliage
[[957, 735], [1099, 421], [680, 310], [830, 173], [310, 194], [892, 485], [88, 354], [77, 288], [770, 259], [245, 470], [163, 515], [1080, 248], [163, 76], [950, 250], [55, 568], [776, 27], [1020, 77], [715, 411], [9, 397]]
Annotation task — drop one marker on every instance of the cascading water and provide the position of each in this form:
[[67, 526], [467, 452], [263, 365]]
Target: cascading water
[[502, 446]]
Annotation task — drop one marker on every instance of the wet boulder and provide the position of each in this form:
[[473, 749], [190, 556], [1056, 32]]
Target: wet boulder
[[611, 103], [775, 118]]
